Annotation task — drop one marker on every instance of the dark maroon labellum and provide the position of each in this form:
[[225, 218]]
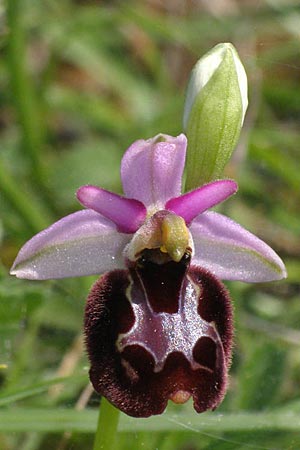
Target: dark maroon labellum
[[159, 331]]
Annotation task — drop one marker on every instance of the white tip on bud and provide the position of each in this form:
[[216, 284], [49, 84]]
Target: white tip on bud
[[205, 69], [214, 112]]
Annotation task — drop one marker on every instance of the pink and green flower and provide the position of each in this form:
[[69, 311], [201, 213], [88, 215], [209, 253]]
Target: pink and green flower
[[158, 323]]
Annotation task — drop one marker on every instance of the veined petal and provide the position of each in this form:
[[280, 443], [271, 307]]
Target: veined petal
[[199, 200], [151, 170], [83, 243], [232, 253], [127, 213]]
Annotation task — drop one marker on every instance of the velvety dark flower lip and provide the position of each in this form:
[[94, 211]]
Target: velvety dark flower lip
[[113, 227], [159, 332]]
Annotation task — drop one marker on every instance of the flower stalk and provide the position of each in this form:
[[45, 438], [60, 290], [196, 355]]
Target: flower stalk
[[107, 426]]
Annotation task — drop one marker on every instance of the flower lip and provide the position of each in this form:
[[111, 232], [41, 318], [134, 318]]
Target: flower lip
[[139, 370]]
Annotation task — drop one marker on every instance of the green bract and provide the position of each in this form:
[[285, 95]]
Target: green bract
[[215, 106]]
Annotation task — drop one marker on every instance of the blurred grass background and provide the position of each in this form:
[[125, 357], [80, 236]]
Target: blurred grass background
[[81, 80]]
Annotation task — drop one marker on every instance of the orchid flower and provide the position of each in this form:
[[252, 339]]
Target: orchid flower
[[158, 323]]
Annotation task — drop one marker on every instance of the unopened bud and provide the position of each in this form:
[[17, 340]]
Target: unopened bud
[[215, 107]]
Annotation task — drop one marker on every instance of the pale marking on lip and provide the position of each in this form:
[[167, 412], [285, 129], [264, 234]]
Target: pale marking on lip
[[171, 330]]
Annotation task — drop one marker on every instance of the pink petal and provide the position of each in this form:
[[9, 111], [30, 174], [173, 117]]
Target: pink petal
[[83, 243], [199, 200], [232, 253], [151, 170], [128, 214]]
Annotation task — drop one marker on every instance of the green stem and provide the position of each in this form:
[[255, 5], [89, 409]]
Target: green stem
[[107, 426], [25, 99]]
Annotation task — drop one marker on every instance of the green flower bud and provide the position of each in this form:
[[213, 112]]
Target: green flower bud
[[215, 107]]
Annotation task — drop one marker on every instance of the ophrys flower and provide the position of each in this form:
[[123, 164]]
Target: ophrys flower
[[159, 322]]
